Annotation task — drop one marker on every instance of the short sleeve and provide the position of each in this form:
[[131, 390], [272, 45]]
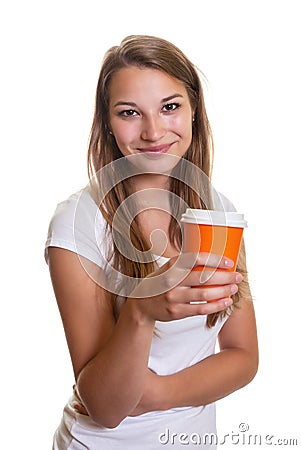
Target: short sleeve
[[78, 225], [222, 203]]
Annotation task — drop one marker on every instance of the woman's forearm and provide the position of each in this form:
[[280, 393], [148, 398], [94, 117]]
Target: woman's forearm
[[111, 384], [209, 380]]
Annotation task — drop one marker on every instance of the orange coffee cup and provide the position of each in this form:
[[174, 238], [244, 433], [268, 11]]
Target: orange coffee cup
[[217, 232]]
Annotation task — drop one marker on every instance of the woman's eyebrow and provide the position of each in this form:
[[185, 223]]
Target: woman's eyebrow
[[166, 99], [125, 103], [133, 104]]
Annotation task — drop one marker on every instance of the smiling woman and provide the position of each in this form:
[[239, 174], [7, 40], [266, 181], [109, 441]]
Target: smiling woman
[[149, 112], [141, 338]]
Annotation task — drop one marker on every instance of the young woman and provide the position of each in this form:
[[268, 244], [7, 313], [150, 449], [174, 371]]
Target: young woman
[[141, 336]]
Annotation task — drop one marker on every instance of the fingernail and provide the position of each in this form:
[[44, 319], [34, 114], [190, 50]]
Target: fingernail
[[228, 262], [228, 302], [234, 288], [239, 278]]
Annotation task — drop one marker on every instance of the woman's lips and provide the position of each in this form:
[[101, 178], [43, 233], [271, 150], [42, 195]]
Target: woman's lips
[[158, 149]]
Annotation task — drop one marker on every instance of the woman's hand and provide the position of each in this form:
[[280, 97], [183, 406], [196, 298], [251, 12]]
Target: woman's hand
[[171, 293]]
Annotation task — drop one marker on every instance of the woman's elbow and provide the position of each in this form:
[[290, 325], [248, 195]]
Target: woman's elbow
[[104, 418], [252, 364]]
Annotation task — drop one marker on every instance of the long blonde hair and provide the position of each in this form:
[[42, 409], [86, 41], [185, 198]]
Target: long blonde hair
[[155, 53]]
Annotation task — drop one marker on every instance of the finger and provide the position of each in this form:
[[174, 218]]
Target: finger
[[183, 310], [201, 294], [186, 261], [214, 260], [181, 266], [211, 277], [80, 409], [210, 308]]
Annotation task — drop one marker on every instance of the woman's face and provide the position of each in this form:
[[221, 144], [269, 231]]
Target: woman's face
[[149, 113]]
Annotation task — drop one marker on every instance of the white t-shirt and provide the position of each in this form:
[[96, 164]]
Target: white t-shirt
[[78, 225]]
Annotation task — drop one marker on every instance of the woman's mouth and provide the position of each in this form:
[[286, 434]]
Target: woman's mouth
[[155, 149]]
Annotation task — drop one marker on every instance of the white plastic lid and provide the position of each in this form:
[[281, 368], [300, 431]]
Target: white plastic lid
[[209, 217]]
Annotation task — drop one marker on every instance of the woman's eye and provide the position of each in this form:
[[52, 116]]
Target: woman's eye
[[127, 113], [171, 107]]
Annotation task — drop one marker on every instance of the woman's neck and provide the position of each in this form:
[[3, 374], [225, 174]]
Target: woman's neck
[[150, 181]]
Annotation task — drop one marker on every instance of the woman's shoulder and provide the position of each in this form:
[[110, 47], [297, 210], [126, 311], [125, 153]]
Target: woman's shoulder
[[222, 203], [77, 212], [65, 211], [77, 225]]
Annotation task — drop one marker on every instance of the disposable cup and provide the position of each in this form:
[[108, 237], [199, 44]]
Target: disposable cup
[[217, 232]]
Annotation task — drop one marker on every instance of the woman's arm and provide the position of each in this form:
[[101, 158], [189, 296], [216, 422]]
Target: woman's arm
[[225, 372], [110, 358], [216, 376]]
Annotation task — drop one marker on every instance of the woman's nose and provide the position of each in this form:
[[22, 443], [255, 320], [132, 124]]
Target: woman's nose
[[152, 128]]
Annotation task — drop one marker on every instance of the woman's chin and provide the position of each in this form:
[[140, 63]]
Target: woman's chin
[[153, 162]]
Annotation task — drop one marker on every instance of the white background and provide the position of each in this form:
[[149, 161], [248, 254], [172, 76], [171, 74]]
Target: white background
[[50, 58]]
